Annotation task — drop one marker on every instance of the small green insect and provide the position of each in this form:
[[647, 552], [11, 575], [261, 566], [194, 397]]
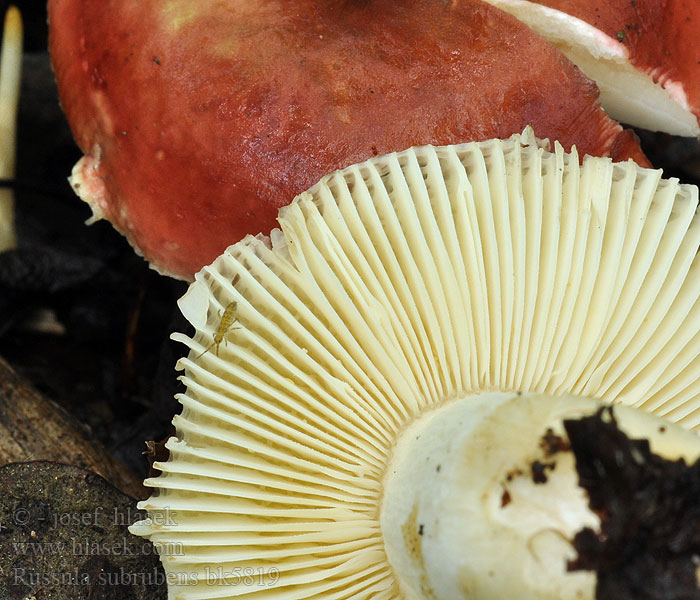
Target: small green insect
[[225, 325]]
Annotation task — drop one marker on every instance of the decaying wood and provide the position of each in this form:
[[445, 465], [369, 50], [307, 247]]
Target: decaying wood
[[64, 535], [35, 428]]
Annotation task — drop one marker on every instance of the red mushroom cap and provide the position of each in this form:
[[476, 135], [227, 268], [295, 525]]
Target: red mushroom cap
[[660, 35], [638, 40], [198, 121]]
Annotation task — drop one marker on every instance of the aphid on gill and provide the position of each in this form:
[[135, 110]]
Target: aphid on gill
[[225, 324]]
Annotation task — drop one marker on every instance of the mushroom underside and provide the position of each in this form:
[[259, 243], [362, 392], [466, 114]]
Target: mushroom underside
[[394, 289]]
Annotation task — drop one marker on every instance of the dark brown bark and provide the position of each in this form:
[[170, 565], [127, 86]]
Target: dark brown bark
[[64, 535], [35, 428]]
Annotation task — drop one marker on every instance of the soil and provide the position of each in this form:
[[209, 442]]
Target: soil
[[649, 542]]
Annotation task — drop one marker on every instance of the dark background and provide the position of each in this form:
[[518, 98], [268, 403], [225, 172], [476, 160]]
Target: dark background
[[81, 316]]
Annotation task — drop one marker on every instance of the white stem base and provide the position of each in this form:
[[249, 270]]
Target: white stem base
[[464, 514]]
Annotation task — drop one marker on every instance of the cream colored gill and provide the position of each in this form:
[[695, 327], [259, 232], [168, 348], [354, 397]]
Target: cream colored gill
[[393, 288]]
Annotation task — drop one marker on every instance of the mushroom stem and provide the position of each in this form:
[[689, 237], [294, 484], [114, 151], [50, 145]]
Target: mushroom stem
[[483, 497], [10, 74]]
